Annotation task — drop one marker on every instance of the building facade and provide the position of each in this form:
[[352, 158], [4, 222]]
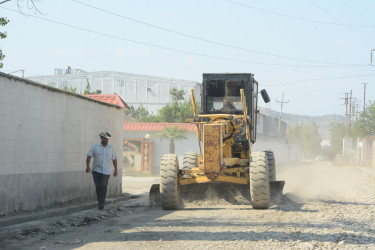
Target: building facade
[[150, 91]]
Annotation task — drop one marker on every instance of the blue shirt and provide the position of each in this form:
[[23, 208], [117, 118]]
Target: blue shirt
[[103, 158]]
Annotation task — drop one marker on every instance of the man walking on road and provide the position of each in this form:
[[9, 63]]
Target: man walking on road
[[104, 156]]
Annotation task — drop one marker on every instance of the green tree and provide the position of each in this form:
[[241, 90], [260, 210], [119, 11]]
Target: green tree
[[140, 113], [291, 134], [174, 112], [178, 110], [337, 133], [71, 89], [369, 119], [3, 21], [176, 95], [308, 138], [172, 133], [87, 90]]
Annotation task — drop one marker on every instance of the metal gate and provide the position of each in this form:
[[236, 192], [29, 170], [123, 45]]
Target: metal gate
[[137, 156]]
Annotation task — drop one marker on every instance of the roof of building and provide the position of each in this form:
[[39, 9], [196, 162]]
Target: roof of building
[[155, 126], [113, 99]]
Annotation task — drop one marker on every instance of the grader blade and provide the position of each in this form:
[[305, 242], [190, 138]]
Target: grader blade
[[154, 195], [185, 191], [209, 191], [276, 189]]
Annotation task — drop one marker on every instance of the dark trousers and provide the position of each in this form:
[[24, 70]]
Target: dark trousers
[[101, 182]]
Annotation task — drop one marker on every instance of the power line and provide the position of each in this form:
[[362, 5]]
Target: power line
[[318, 79], [354, 110], [365, 18], [364, 109], [209, 41], [281, 111], [178, 50], [350, 27], [20, 70], [298, 18], [348, 111], [24, 72], [305, 99]]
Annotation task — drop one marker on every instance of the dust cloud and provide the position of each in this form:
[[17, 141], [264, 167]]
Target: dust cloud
[[322, 181], [309, 181]]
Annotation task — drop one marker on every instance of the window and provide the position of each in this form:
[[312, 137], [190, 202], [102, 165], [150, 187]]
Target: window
[[223, 96]]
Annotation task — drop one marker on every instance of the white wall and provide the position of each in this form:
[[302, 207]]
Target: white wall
[[280, 148], [45, 136]]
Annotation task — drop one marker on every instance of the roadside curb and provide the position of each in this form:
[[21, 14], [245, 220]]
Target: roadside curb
[[54, 212]]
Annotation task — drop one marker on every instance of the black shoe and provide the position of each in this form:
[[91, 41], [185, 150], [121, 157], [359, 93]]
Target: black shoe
[[101, 206]]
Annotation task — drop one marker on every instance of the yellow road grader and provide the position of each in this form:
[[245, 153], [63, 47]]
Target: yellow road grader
[[226, 130]]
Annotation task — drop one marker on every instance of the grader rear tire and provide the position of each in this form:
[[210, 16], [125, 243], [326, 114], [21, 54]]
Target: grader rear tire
[[259, 182], [271, 165], [169, 189], [190, 161]]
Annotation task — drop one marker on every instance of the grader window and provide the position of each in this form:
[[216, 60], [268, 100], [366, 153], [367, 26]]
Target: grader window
[[223, 96]]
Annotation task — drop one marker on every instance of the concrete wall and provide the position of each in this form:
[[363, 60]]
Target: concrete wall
[[283, 153], [269, 126], [45, 136]]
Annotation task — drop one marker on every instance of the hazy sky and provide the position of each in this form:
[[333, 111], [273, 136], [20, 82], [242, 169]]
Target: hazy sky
[[312, 50]]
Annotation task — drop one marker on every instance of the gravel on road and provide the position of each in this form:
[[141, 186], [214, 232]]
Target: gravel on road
[[323, 207]]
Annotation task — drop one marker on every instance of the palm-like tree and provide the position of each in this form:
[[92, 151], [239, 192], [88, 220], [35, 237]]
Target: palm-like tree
[[172, 133]]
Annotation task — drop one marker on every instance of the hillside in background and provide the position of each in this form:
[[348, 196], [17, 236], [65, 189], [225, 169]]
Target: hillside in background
[[322, 122]]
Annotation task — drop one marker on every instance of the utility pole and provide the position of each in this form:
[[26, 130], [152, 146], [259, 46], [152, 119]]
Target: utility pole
[[364, 109], [355, 108], [299, 140], [281, 112], [347, 114], [350, 113], [23, 72]]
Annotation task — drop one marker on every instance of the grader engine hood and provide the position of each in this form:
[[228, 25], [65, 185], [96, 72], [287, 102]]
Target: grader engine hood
[[212, 150]]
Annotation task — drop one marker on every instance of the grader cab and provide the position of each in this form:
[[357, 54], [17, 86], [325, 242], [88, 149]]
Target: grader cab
[[226, 130]]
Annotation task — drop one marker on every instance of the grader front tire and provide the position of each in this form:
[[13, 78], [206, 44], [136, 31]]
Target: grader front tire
[[169, 189], [271, 165], [189, 161], [259, 182]]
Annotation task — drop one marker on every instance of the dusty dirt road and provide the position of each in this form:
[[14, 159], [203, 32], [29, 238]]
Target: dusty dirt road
[[324, 207]]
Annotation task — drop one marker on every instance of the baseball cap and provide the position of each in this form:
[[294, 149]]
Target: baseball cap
[[105, 135]]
